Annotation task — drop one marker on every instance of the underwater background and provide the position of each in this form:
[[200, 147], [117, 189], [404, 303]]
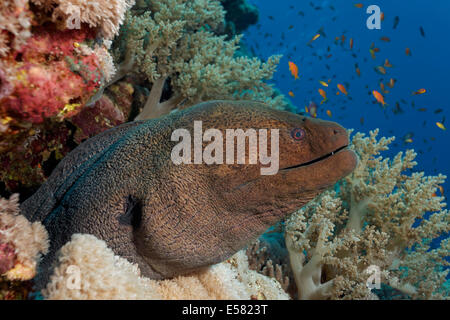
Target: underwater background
[[286, 27], [62, 83]]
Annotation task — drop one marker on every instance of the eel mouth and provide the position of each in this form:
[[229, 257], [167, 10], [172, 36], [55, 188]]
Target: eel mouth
[[328, 155]]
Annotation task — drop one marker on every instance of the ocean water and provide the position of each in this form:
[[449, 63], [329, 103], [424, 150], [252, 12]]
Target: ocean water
[[286, 27]]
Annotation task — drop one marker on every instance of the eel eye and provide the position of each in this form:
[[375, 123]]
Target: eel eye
[[298, 134]]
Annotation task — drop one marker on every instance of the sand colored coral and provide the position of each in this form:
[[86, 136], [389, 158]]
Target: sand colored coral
[[372, 227], [105, 15], [88, 269], [28, 240]]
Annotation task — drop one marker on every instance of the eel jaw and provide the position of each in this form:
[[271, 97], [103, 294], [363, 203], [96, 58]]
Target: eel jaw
[[326, 156]]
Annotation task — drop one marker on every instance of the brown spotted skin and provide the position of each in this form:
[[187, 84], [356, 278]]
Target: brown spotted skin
[[122, 187]]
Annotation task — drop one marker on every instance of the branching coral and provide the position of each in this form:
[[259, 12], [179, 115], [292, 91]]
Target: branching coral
[[88, 269], [372, 226], [173, 45]]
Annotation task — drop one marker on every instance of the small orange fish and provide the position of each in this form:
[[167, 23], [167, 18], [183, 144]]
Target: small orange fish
[[372, 53], [382, 87], [379, 97], [408, 51], [441, 190], [323, 94], [358, 5], [342, 89], [385, 39], [420, 91], [351, 43], [338, 93], [294, 69], [387, 64], [408, 140], [380, 70], [329, 113], [291, 94], [323, 83], [376, 49], [382, 16]]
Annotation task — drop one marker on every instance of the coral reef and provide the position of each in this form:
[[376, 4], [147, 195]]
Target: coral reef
[[57, 75], [372, 227], [376, 227], [88, 269], [21, 245], [54, 56], [174, 46], [107, 112]]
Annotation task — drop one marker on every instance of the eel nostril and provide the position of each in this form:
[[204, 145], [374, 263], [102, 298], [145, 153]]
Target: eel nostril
[[335, 131]]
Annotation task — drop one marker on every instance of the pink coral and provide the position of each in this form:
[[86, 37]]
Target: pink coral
[[48, 72]]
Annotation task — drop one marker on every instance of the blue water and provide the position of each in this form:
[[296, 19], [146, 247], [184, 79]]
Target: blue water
[[282, 30]]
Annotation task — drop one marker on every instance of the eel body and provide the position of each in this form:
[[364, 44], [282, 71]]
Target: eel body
[[123, 187]]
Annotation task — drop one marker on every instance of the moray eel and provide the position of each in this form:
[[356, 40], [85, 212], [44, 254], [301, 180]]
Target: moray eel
[[122, 187]]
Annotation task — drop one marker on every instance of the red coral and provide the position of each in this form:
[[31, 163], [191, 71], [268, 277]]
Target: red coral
[[48, 74]]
